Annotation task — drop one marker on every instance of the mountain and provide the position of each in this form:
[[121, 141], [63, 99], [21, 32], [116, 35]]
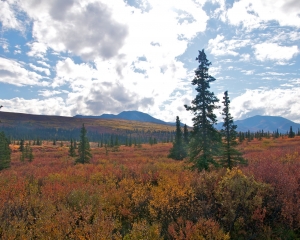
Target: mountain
[[266, 123], [131, 116]]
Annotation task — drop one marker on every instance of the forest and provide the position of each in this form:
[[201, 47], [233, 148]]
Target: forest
[[190, 183]]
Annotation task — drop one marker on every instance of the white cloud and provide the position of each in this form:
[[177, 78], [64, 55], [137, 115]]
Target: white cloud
[[40, 69], [14, 73], [37, 49], [8, 18], [220, 47], [84, 28], [44, 64], [274, 52], [248, 72], [276, 102], [245, 57], [252, 14], [49, 106], [48, 93], [4, 44]]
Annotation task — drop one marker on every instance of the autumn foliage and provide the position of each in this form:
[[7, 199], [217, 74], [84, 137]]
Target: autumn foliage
[[139, 193]]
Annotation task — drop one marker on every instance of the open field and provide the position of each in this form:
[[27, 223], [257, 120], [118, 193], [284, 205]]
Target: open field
[[138, 193]]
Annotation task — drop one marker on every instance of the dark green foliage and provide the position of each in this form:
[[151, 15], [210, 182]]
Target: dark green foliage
[[276, 134], [231, 156], [72, 152], [205, 140], [178, 151], [185, 134], [291, 134], [75, 144], [4, 152], [84, 150], [117, 141], [27, 153], [21, 148]]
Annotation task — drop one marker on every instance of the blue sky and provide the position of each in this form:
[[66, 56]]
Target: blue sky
[[92, 57]]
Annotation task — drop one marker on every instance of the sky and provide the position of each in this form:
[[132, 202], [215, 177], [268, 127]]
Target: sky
[[91, 57]]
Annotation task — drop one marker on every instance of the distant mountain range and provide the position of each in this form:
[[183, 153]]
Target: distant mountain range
[[254, 124], [131, 116], [266, 123]]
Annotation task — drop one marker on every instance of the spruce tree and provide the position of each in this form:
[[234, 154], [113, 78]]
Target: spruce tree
[[27, 153], [204, 138], [4, 152], [84, 150], [72, 149], [231, 156], [185, 134], [291, 134], [21, 148], [178, 151]]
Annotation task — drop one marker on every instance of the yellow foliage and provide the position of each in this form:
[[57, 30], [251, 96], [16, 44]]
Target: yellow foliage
[[171, 196], [144, 231]]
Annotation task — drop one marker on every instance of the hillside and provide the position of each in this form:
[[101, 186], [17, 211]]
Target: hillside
[[131, 116], [30, 126]]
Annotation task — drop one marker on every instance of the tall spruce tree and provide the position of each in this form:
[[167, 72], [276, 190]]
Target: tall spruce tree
[[84, 150], [205, 140], [178, 151], [231, 156], [4, 152]]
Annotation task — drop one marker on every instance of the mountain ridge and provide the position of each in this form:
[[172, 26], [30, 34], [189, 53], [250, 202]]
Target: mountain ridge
[[254, 123], [131, 116], [265, 123]]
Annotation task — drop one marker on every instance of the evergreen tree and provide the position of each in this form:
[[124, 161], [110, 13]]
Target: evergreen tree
[[130, 141], [30, 155], [231, 156], [178, 151], [111, 141], [75, 144], [21, 148], [291, 134], [205, 140], [84, 150], [117, 141], [27, 153], [72, 149], [4, 152], [186, 134]]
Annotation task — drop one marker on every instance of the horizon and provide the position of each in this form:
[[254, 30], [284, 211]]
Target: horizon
[[97, 56], [219, 121]]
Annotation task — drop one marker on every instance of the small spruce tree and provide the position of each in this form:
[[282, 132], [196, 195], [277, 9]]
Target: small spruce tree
[[21, 148], [72, 152], [178, 151], [84, 151], [231, 156], [5, 152], [185, 134], [291, 134]]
